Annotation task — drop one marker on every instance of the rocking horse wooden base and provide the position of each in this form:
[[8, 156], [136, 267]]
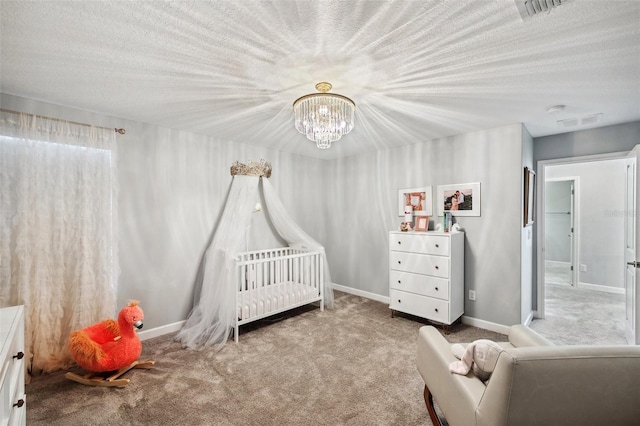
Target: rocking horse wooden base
[[95, 379]]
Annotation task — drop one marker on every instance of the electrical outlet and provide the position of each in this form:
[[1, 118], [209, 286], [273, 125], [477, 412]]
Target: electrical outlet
[[472, 295], [583, 268]]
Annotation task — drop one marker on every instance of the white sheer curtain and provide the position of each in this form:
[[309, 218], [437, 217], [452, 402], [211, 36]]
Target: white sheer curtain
[[214, 313], [58, 230]]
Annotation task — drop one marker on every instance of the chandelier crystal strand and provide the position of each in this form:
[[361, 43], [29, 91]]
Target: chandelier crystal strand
[[324, 117]]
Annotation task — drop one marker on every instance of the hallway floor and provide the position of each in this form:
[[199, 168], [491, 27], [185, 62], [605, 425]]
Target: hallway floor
[[577, 316], [557, 272]]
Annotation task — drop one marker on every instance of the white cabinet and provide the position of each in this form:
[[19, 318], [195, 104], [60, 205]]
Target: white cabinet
[[13, 408], [426, 274]]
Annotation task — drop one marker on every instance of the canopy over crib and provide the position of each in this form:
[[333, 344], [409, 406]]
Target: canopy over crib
[[215, 311]]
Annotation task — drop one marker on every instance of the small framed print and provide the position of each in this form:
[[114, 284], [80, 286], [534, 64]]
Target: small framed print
[[422, 223], [418, 201]]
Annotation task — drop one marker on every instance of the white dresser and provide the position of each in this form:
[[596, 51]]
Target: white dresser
[[426, 275], [13, 408]]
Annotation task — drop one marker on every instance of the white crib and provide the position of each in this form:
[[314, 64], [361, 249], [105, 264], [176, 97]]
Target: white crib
[[276, 280]]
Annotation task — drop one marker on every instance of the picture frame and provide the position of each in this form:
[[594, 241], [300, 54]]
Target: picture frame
[[422, 223], [529, 216], [420, 199], [467, 202]]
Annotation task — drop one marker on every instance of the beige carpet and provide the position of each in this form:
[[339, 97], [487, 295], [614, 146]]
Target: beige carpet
[[353, 365]]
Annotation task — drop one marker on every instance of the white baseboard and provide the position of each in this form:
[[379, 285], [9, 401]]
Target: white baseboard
[[361, 293], [557, 263], [487, 325], [603, 288], [176, 326], [498, 328], [530, 317], [160, 331], [491, 326]]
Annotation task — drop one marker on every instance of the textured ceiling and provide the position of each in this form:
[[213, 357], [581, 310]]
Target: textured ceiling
[[417, 70]]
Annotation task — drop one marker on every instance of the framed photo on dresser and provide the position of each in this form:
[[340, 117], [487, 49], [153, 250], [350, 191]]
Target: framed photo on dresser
[[422, 223]]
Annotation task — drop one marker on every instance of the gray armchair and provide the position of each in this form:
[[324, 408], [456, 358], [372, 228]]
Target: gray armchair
[[534, 383]]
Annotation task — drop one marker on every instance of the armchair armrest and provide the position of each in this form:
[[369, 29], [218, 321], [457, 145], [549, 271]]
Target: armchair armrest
[[456, 395], [521, 336]]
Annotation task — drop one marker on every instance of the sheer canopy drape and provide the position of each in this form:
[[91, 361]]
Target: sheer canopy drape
[[213, 315], [58, 230]]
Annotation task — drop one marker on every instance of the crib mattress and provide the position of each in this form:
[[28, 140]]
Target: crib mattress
[[260, 301]]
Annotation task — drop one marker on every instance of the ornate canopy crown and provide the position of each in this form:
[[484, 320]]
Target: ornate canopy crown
[[252, 168]]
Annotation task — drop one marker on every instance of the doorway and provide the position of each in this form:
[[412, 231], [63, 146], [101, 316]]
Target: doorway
[[580, 253], [560, 213]]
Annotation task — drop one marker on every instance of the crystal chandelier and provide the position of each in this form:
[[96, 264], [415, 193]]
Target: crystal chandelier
[[324, 117]]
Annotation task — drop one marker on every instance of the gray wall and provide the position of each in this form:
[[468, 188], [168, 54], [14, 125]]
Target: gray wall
[[601, 219], [617, 138], [363, 195], [173, 186], [603, 140], [172, 190]]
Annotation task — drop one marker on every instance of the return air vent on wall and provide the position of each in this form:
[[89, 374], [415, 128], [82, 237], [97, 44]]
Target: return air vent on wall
[[530, 8]]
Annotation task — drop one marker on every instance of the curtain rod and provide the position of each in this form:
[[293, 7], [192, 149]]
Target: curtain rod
[[120, 131]]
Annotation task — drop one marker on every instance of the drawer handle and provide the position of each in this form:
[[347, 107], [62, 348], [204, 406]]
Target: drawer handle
[[399, 262], [19, 404], [399, 242], [399, 301], [19, 355], [437, 267], [436, 288], [437, 245], [436, 309], [399, 282]]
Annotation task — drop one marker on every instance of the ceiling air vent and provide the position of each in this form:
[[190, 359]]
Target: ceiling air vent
[[567, 123], [590, 120], [587, 120], [530, 8]]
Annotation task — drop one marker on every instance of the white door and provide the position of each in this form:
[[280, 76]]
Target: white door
[[632, 239]]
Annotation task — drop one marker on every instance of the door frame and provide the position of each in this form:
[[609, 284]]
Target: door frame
[[631, 326], [540, 225], [575, 221]]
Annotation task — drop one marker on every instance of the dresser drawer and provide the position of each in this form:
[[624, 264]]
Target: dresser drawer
[[419, 284], [435, 266], [12, 366], [18, 414], [12, 389], [420, 243], [422, 306]]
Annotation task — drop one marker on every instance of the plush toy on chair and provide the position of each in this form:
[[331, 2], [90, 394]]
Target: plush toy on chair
[[108, 346], [479, 356]]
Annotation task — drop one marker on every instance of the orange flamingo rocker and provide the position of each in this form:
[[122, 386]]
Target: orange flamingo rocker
[[108, 346]]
